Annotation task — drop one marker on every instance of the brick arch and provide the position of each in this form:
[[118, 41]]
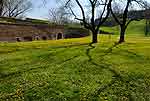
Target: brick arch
[[44, 38], [59, 36], [37, 37], [18, 39]]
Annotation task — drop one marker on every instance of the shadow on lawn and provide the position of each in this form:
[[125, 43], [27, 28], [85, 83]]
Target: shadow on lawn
[[14, 74], [1, 71], [136, 55], [72, 45], [19, 73], [19, 48], [116, 75]]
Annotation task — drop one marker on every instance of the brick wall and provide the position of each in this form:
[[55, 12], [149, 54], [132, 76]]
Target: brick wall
[[26, 32]]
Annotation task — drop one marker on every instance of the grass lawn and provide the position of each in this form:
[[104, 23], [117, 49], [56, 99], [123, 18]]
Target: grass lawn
[[72, 70], [134, 28]]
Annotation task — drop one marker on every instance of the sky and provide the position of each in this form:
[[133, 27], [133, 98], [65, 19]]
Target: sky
[[40, 9]]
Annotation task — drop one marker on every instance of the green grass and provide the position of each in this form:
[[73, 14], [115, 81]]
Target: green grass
[[72, 70], [134, 28]]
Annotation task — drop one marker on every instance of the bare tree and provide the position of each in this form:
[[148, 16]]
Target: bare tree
[[95, 7], [14, 8], [122, 18], [147, 17], [59, 15], [1, 6]]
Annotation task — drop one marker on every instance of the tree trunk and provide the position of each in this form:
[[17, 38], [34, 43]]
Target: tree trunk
[[146, 28], [94, 37], [122, 35]]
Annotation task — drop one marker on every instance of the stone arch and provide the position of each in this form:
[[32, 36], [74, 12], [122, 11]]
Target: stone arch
[[18, 39], [37, 38], [59, 36], [44, 38]]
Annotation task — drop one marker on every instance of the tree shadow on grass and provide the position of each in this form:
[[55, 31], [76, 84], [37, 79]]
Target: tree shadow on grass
[[116, 75], [73, 45], [108, 51], [4, 75], [2, 70], [20, 49], [136, 55], [18, 73]]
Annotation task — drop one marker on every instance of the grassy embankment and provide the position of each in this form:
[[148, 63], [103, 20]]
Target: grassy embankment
[[134, 28]]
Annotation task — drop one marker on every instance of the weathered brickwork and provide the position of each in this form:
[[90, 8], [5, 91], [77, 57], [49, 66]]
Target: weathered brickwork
[[30, 32]]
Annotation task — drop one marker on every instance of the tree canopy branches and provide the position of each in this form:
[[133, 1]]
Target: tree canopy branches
[[14, 8], [98, 9], [124, 20]]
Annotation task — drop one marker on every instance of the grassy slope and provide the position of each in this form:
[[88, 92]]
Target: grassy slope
[[135, 28], [70, 69]]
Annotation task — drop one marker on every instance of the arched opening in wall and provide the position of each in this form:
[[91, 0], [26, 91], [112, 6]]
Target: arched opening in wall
[[59, 36], [18, 39], [37, 38], [44, 38], [28, 38]]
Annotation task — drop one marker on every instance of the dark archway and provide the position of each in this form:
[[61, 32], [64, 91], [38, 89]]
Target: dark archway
[[18, 39], [59, 36], [37, 38], [44, 38]]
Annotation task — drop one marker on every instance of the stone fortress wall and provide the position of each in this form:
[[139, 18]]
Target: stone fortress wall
[[29, 32]]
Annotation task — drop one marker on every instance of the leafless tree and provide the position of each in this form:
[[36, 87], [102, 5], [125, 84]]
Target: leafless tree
[[122, 18], [147, 17], [1, 6], [59, 15], [14, 8], [98, 9]]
